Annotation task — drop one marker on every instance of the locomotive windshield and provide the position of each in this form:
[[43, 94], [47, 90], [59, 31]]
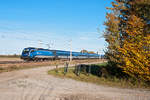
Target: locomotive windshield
[[26, 51]]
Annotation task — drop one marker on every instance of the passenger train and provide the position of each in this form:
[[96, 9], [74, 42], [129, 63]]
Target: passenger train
[[33, 54]]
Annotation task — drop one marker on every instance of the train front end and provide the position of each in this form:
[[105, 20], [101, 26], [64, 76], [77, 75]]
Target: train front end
[[26, 54]]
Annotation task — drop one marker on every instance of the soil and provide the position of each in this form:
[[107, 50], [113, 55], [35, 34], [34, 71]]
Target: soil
[[36, 84]]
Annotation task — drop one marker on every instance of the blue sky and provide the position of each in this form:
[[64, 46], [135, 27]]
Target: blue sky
[[24, 23]]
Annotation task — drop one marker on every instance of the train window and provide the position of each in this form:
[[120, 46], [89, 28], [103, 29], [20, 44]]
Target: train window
[[26, 50]]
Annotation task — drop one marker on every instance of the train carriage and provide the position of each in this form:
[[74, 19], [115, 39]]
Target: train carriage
[[31, 53]]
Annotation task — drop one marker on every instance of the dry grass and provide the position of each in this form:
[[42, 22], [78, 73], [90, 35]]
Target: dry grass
[[10, 59], [9, 56], [108, 81], [12, 67]]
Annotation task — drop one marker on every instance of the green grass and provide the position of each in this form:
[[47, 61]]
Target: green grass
[[102, 64], [110, 80]]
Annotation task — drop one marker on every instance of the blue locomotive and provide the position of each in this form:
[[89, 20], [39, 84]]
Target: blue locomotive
[[34, 54]]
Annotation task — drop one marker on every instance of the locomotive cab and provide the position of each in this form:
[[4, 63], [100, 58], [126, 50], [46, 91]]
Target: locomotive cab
[[27, 53]]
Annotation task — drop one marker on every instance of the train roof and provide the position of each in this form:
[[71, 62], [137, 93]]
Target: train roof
[[58, 50]]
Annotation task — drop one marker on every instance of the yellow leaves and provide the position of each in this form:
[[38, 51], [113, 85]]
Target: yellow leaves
[[128, 63], [142, 1], [135, 26], [128, 38], [118, 5], [136, 55], [135, 59]]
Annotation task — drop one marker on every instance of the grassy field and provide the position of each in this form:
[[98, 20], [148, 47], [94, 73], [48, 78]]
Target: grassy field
[[105, 79]]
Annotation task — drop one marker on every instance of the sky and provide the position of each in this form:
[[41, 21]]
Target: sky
[[63, 24]]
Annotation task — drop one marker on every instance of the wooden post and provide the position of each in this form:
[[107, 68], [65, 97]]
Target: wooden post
[[56, 68], [78, 70], [89, 71], [66, 68]]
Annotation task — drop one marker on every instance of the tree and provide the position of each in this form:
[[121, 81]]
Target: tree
[[128, 37], [91, 52], [84, 51]]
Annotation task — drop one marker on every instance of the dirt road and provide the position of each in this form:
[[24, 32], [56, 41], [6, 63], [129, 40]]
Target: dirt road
[[36, 84]]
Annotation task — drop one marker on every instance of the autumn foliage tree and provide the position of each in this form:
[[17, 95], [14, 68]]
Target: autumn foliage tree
[[85, 51], [128, 37]]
